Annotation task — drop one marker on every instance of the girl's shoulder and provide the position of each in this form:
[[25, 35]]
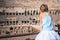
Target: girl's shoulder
[[42, 15]]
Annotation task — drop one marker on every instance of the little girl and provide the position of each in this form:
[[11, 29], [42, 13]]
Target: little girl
[[46, 26]]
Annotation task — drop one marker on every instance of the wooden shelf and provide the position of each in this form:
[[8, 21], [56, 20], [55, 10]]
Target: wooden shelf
[[17, 35]]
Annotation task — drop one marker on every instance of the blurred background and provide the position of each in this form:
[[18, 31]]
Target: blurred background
[[19, 19]]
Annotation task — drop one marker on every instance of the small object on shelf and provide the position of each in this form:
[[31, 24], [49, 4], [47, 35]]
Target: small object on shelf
[[58, 25]]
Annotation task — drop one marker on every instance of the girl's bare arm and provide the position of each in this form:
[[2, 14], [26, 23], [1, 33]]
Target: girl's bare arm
[[40, 22]]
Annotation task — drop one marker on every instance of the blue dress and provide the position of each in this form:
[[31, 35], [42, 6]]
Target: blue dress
[[47, 32]]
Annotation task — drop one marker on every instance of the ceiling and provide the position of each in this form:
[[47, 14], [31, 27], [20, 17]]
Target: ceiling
[[31, 3]]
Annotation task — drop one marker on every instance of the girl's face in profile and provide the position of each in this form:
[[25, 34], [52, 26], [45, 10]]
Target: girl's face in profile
[[42, 9]]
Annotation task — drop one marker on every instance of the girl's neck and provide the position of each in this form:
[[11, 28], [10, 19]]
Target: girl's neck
[[43, 12]]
